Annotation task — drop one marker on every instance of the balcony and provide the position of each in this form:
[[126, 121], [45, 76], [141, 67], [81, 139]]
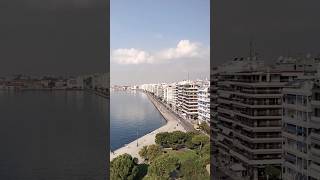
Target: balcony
[[315, 137], [314, 170], [255, 162], [253, 93], [315, 121], [256, 104], [258, 129], [315, 151], [258, 139], [299, 107], [257, 151], [251, 83], [293, 150], [258, 115], [315, 102]]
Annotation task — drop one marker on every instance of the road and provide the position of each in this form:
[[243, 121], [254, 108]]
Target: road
[[188, 126]]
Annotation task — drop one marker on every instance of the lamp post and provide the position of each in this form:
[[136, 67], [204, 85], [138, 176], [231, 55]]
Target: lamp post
[[137, 138]]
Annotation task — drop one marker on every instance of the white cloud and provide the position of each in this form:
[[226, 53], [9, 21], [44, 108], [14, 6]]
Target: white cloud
[[184, 50], [131, 56]]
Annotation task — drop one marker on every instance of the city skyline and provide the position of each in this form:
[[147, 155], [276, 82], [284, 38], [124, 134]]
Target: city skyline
[[149, 45]]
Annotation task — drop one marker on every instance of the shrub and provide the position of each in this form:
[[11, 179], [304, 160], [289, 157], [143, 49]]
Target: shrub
[[123, 167]]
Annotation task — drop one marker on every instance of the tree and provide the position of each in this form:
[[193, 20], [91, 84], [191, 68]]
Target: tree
[[163, 167], [272, 172], [204, 126], [153, 151], [162, 138], [193, 169], [205, 150], [189, 136], [177, 138], [123, 167], [200, 140], [150, 152], [143, 152]]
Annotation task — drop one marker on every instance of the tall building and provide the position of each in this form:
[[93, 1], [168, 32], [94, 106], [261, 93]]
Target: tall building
[[187, 99], [249, 116], [314, 136], [204, 104], [296, 124], [170, 94], [214, 77], [301, 130]]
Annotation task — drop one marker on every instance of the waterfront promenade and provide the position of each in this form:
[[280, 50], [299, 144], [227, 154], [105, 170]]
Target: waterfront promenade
[[148, 139]]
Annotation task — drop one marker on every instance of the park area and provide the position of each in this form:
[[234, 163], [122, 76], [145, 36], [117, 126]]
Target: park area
[[175, 155]]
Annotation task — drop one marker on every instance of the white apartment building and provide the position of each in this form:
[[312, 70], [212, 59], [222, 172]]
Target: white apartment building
[[314, 136], [164, 92], [169, 94], [204, 104], [301, 130], [249, 116], [187, 100]]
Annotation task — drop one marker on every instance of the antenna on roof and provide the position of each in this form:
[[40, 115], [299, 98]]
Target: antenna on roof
[[252, 53], [250, 49]]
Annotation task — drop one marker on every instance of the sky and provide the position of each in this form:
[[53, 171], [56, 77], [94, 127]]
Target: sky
[[156, 41], [276, 28], [53, 37]]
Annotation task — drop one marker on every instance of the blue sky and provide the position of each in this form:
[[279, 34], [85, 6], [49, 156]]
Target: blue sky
[[157, 25]]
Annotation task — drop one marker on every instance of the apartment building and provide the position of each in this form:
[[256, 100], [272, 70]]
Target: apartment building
[[214, 77], [301, 130], [204, 104], [187, 99], [170, 94], [249, 115], [314, 136]]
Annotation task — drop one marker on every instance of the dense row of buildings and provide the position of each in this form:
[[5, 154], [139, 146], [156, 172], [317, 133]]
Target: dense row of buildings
[[190, 99], [24, 82], [267, 117]]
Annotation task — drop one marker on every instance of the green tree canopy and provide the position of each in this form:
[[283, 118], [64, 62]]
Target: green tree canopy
[[193, 170], [123, 167], [174, 139], [149, 153], [162, 138], [154, 151], [200, 140], [143, 152], [163, 167]]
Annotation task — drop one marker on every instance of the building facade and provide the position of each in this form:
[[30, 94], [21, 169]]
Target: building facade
[[250, 117], [204, 104]]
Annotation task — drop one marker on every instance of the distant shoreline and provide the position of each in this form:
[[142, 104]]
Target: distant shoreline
[[58, 89]]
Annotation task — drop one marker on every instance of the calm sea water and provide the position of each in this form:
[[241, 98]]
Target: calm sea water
[[53, 136], [132, 115]]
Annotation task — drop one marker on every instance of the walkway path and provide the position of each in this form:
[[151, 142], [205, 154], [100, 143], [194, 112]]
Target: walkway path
[[173, 124]]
